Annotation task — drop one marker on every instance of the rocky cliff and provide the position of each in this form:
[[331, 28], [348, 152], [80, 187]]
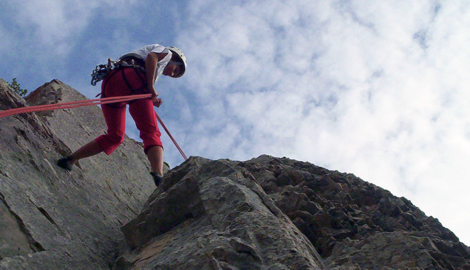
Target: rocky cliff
[[51, 218], [265, 213]]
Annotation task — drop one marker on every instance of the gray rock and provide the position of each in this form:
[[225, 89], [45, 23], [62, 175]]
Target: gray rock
[[213, 215], [354, 224], [51, 218]]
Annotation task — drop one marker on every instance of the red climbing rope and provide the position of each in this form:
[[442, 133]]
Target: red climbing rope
[[171, 137], [69, 105], [83, 103]]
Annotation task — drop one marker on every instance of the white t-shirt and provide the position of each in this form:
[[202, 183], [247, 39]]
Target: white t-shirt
[[142, 53]]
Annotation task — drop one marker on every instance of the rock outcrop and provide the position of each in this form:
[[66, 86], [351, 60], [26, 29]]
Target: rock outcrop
[[354, 224], [51, 218], [205, 205], [265, 213], [214, 215]]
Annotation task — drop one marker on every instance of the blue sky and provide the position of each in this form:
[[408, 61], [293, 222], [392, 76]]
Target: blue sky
[[374, 88]]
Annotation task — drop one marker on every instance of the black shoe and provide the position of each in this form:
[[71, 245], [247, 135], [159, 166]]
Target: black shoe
[[64, 163], [156, 178]]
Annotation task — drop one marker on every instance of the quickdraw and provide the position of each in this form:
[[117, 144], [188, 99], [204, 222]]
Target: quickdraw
[[102, 70]]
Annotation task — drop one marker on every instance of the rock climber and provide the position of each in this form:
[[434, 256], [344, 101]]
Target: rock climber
[[137, 73]]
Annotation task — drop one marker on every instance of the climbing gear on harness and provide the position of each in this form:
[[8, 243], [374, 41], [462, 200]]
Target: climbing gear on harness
[[156, 178], [102, 70], [182, 59], [64, 163]]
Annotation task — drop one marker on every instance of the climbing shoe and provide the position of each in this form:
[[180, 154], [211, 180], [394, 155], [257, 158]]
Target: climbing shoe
[[64, 163], [156, 178]]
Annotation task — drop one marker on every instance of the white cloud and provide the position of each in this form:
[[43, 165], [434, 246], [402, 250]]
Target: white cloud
[[378, 89], [53, 26]]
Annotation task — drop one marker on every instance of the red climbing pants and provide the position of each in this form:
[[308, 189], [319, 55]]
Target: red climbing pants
[[119, 83]]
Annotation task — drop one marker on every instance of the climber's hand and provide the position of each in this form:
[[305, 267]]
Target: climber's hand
[[157, 101]]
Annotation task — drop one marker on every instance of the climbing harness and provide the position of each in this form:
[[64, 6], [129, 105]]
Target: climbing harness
[[83, 103], [132, 60]]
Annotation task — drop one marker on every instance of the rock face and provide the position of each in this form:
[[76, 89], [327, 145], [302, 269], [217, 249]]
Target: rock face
[[214, 215], [206, 211], [51, 218], [265, 213], [354, 224]]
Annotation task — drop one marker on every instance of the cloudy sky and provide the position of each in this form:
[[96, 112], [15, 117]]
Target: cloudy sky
[[374, 88]]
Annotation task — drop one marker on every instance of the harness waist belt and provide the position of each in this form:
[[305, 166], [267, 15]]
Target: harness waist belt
[[131, 61]]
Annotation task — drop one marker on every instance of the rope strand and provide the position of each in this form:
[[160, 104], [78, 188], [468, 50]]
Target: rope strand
[[171, 137], [89, 102], [72, 104]]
